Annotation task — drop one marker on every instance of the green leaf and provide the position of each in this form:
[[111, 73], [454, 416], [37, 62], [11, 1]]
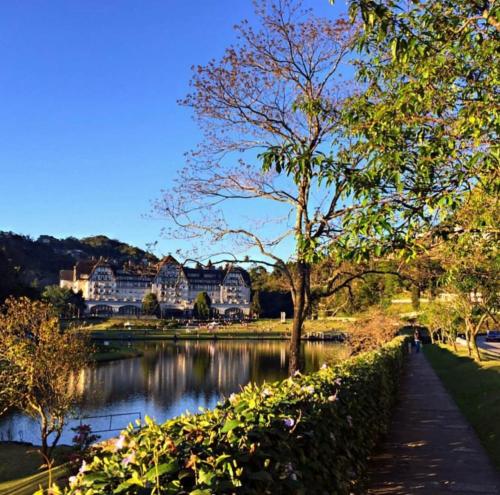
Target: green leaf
[[125, 485], [230, 425], [205, 476], [162, 469]]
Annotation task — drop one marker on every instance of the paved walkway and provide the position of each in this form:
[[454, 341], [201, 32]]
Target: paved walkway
[[431, 449]]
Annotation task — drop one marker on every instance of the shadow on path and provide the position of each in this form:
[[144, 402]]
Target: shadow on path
[[430, 449]]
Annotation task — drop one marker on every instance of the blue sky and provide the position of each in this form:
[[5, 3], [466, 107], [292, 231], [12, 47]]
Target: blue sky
[[90, 128]]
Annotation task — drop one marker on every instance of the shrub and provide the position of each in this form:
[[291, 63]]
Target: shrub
[[308, 434], [372, 331]]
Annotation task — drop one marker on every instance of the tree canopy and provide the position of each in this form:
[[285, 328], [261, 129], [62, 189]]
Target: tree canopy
[[66, 302], [430, 75]]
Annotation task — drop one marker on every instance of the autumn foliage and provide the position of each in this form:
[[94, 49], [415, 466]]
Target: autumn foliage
[[39, 366]]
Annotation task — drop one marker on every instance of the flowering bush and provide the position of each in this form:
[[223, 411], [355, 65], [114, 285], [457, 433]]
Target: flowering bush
[[310, 434]]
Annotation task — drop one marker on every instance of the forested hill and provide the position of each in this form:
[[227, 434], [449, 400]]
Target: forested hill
[[28, 265]]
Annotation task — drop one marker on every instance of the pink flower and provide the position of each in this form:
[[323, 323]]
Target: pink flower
[[289, 422], [84, 467], [130, 458]]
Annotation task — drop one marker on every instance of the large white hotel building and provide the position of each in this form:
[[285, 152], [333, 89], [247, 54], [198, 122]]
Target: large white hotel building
[[109, 290]]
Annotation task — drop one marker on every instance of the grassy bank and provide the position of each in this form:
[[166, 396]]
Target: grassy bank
[[262, 325], [475, 387], [261, 329], [114, 353], [18, 460]]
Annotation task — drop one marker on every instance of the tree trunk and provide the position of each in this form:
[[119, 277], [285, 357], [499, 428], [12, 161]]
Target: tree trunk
[[468, 336], [476, 348], [299, 308], [44, 449], [55, 441], [415, 297]]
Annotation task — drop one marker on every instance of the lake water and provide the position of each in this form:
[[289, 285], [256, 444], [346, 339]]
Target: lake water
[[171, 378]]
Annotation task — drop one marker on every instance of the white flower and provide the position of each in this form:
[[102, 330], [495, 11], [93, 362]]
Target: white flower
[[72, 480], [120, 443], [84, 467], [338, 382], [266, 392], [332, 398], [232, 398], [297, 373], [324, 366], [309, 389]]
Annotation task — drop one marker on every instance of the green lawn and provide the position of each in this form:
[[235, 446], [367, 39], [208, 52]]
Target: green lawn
[[118, 323], [265, 328], [20, 460], [475, 388]]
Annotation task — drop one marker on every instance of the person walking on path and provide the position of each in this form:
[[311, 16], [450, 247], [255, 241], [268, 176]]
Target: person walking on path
[[417, 338]]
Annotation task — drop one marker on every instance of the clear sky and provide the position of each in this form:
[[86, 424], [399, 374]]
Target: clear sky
[[90, 128]]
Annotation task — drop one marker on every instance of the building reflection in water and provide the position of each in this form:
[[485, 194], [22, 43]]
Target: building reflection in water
[[172, 378]]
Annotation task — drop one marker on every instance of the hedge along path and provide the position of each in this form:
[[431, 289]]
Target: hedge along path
[[310, 434], [431, 448]]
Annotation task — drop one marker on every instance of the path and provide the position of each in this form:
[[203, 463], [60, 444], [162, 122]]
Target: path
[[431, 449]]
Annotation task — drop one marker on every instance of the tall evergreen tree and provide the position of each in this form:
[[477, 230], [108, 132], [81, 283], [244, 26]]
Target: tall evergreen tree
[[202, 306]]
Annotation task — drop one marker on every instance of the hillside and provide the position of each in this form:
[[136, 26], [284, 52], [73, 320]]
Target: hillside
[[27, 265]]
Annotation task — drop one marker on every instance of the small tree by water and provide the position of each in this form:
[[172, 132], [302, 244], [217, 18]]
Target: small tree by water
[[40, 367], [150, 305], [256, 309], [202, 306]]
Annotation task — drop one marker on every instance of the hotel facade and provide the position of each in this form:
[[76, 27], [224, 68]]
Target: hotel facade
[[109, 290]]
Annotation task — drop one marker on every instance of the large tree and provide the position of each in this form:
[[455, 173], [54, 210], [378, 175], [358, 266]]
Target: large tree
[[271, 108], [39, 366]]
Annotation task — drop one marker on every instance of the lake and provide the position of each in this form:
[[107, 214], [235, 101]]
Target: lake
[[171, 378]]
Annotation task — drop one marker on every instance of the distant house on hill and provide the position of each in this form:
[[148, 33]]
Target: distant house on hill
[[109, 290]]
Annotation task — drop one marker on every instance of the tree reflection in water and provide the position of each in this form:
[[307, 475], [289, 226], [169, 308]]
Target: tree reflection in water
[[172, 377]]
